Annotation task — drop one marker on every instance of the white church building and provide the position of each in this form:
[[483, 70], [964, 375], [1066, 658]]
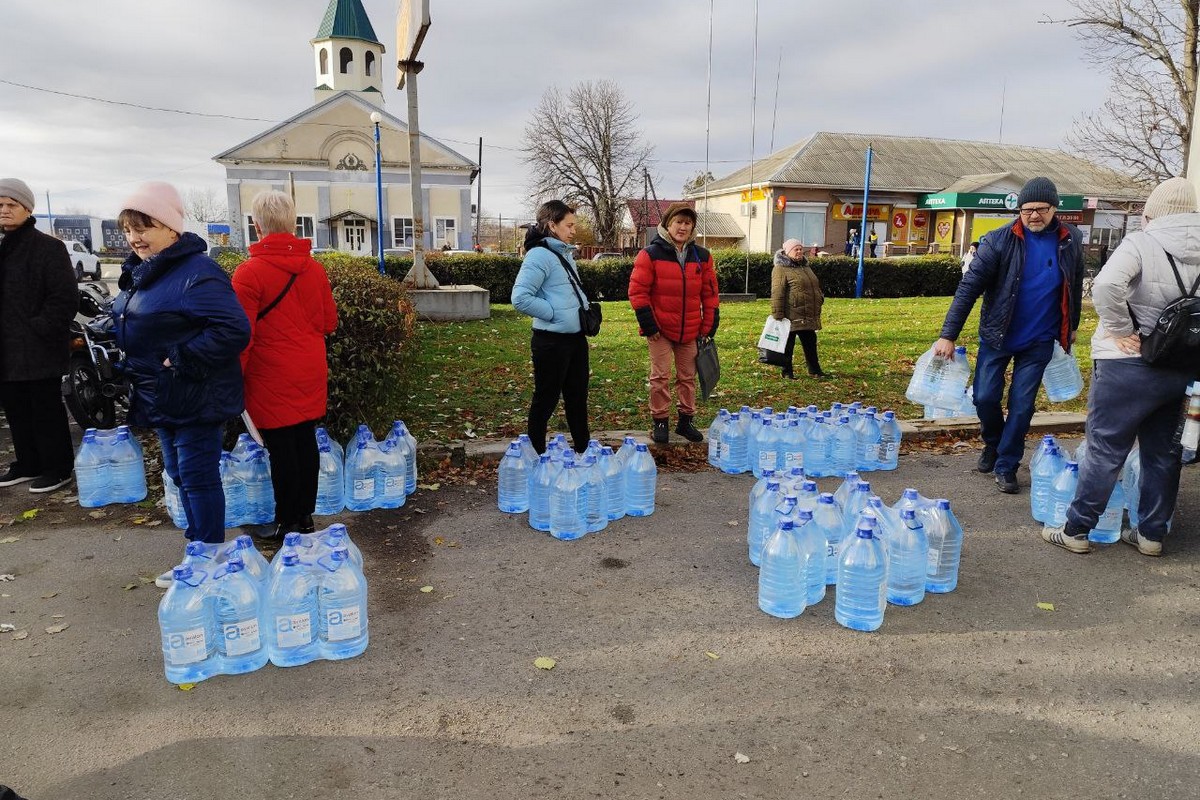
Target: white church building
[[325, 156]]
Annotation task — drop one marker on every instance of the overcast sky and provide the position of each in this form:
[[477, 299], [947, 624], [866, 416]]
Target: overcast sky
[[933, 68]]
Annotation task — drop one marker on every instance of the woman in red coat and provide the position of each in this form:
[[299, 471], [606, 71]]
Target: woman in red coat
[[290, 306], [673, 291]]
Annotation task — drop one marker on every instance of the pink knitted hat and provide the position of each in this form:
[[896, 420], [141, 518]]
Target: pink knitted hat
[[159, 201]]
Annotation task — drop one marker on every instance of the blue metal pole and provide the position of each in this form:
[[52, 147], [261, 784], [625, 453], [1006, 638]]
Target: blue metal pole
[[862, 231], [379, 199]]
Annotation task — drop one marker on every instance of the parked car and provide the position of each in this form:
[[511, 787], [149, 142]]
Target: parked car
[[603, 256], [401, 252], [85, 264]]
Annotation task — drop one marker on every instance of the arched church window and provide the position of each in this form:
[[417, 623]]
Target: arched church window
[[324, 59], [346, 57], [369, 64]]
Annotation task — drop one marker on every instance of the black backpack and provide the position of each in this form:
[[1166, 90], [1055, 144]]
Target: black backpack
[[1174, 343]]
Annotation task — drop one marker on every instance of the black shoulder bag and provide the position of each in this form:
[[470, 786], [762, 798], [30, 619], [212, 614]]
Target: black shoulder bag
[[1174, 342], [590, 317], [275, 302]]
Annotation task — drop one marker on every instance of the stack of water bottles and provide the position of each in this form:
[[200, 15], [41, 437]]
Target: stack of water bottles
[[803, 540], [109, 468], [245, 481], [1054, 475], [569, 495], [379, 474], [940, 384], [832, 442], [228, 611], [331, 475]]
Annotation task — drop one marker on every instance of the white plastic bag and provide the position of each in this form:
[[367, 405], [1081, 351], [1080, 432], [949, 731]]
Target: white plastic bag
[[775, 334]]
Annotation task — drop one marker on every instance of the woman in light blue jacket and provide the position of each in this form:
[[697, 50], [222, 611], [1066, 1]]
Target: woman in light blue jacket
[[544, 291]]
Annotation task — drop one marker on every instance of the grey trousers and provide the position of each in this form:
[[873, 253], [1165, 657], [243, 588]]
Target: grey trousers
[[1130, 399]]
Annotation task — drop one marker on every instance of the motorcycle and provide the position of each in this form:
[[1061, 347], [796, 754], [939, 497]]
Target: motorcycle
[[95, 394]]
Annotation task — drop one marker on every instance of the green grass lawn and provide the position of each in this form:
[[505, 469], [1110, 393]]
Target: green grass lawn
[[476, 377]]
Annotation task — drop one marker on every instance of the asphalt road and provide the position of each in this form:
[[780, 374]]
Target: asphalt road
[[665, 666]]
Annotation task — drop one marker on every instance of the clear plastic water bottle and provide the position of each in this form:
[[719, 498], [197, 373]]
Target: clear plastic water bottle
[[527, 452], [292, 613], [1081, 452], [555, 451], [241, 645], [336, 537], [945, 538], [234, 491], [1047, 446], [1062, 493], [762, 520], [862, 582], [889, 441], [614, 483], [768, 447], [242, 447], [813, 546], [128, 475], [323, 437], [540, 484], [733, 446], [843, 445], [597, 495], [792, 480], [293, 543], [641, 481], [391, 474], [361, 470], [401, 437], [850, 481], [817, 449], [593, 449], [91, 475], [753, 438], [342, 607], [626, 450], [867, 440], [856, 503], [782, 591], [760, 485], [887, 520], [954, 380], [331, 481], [1062, 378], [1131, 485], [173, 501], [925, 384], [513, 489], [1108, 527], [792, 445], [186, 624], [568, 504], [714, 437], [253, 562], [1045, 466], [827, 516], [807, 494], [260, 495], [908, 554]]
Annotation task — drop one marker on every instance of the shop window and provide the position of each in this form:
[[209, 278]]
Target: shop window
[[807, 225]]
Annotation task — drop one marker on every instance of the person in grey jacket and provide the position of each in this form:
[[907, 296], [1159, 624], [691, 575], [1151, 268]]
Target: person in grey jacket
[[1131, 399], [543, 290]]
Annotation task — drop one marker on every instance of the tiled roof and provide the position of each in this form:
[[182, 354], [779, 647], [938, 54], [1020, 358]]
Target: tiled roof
[[346, 19], [914, 164], [648, 213]]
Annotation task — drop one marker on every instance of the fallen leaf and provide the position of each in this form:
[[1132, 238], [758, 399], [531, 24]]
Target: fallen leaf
[[116, 538], [10, 539], [139, 520], [19, 635], [154, 523], [30, 514], [98, 514], [186, 687], [438, 540], [1046, 606], [732, 523], [741, 758], [433, 487], [145, 504], [59, 628], [129, 586], [711, 655], [58, 616], [452, 544], [420, 510], [426, 589], [4, 578], [542, 662], [5, 627], [50, 596]]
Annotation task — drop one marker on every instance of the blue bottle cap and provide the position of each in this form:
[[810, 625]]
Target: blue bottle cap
[[875, 501], [723, 412], [641, 448], [568, 464], [606, 451], [808, 486], [243, 542], [796, 472], [943, 504], [744, 409], [804, 514], [593, 442], [787, 524], [907, 513], [589, 461], [766, 421], [337, 527], [889, 415], [864, 533], [790, 499], [864, 486], [340, 554], [850, 476], [844, 419], [194, 548], [544, 458], [181, 572], [961, 349], [291, 559], [291, 539], [235, 565], [1073, 466], [772, 486], [872, 410], [852, 411], [514, 449], [793, 423], [630, 440], [910, 494], [768, 410], [826, 498]]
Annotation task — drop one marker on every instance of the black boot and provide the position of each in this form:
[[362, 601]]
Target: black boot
[[687, 430], [660, 435]]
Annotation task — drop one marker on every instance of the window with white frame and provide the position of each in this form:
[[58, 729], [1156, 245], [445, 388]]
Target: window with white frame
[[251, 231], [445, 232], [305, 225], [402, 232]]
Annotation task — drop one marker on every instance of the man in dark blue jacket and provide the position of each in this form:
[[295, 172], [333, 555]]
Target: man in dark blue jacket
[[1030, 274]]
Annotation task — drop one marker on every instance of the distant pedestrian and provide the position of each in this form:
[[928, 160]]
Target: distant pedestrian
[[969, 256], [854, 239], [796, 295], [673, 291], [38, 300], [874, 240], [849, 241]]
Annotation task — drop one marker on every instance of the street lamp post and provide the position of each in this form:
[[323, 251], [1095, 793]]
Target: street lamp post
[[376, 118]]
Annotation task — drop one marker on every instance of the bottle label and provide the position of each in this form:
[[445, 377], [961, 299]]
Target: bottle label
[[343, 623], [185, 647], [392, 484], [1110, 520], [891, 449], [934, 561], [766, 459], [293, 630], [241, 637], [872, 453], [363, 488]]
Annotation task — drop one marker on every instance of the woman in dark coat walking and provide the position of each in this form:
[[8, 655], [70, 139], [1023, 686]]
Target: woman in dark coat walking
[[796, 295]]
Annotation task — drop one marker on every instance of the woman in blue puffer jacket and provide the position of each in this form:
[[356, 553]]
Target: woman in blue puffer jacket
[[182, 330]]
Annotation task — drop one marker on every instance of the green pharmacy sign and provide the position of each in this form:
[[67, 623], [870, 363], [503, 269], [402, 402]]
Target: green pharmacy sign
[[990, 201]]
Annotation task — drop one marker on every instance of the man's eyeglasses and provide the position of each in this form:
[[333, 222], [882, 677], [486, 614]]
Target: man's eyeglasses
[[1041, 211]]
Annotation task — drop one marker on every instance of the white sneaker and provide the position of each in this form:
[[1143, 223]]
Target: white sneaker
[[165, 580], [1058, 536], [1146, 547]]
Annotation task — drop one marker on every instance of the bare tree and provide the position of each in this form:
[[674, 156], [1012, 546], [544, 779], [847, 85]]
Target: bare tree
[[584, 147], [203, 205], [1150, 49], [696, 182]]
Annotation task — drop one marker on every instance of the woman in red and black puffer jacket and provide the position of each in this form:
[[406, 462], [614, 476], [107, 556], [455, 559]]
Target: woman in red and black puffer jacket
[[673, 291]]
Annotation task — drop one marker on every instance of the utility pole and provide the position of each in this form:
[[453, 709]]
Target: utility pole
[[479, 194]]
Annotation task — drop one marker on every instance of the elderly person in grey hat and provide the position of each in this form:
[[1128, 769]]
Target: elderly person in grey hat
[[796, 295], [1030, 274], [38, 300], [1129, 398]]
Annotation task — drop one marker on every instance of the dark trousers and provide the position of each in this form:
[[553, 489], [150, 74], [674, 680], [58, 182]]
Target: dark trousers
[[192, 458], [295, 464], [37, 418], [808, 343], [560, 368], [1130, 399], [1008, 435]]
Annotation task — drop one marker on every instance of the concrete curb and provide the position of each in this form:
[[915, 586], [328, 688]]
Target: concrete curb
[[462, 452]]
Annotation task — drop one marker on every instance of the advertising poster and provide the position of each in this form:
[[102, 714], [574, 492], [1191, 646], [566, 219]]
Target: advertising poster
[[943, 230]]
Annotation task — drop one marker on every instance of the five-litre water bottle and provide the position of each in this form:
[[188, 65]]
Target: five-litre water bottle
[[1062, 378], [945, 538], [241, 643], [527, 452], [187, 627], [767, 448], [733, 446], [597, 495], [908, 555], [1062, 493], [813, 546], [626, 451], [868, 441], [333, 538], [753, 439], [850, 481], [128, 475], [817, 447], [791, 444], [760, 485], [400, 436], [862, 582], [889, 441], [513, 490], [886, 519], [331, 482], [255, 473], [782, 591], [856, 503], [323, 437], [1108, 527], [91, 473], [391, 470], [362, 462], [614, 483], [341, 606], [954, 380], [1044, 467], [540, 485], [925, 384], [714, 437], [234, 490], [827, 516], [292, 613], [568, 503], [807, 493], [174, 502], [641, 479], [842, 448], [762, 520], [242, 549]]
